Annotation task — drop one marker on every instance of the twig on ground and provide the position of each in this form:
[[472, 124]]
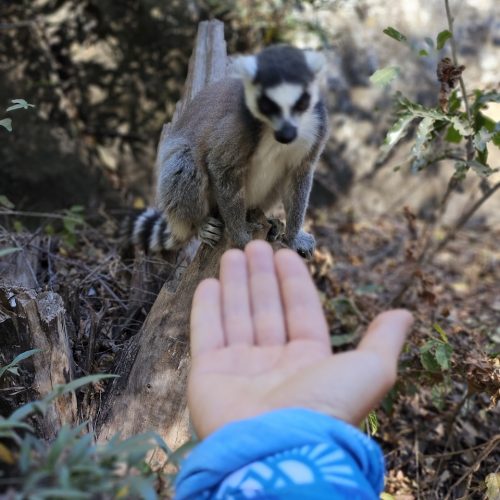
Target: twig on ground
[[448, 432], [463, 220], [427, 254], [492, 444]]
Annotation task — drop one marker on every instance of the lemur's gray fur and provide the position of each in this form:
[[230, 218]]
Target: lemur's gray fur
[[242, 143]]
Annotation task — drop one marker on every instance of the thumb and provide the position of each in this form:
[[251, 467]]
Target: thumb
[[386, 335]]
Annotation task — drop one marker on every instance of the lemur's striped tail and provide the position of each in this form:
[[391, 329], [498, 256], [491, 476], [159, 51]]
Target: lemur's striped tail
[[150, 231]]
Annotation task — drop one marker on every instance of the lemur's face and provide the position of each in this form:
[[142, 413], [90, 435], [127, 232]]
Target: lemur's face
[[281, 88], [283, 107]]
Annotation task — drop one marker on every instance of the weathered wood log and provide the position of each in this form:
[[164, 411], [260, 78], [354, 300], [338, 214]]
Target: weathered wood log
[[151, 391], [37, 320], [19, 269]]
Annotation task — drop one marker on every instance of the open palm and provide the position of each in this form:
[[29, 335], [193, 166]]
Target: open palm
[[259, 342]]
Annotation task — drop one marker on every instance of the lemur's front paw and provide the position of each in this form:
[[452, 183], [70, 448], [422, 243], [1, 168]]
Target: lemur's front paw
[[253, 226], [276, 231], [304, 243], [244, 236], [241, 239]]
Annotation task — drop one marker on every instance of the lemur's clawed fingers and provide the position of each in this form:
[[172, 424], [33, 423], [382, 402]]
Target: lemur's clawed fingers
[[276, 230]]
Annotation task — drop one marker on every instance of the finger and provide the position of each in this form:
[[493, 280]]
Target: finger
[[386, 335], [267, 311], [304, 316], [346, 386], [372, 368], [237, 320], [206, 318]]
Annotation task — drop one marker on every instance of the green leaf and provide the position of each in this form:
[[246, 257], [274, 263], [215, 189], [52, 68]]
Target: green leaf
[[18, 226], [429, 362], [454, 102], [462, 126], [423, 137], [428, 346], [20, 357], [63, 493], [442, 38], [180, 453], [26, 410], [143, 487], [453, 135], [394, 33], [80, 382], [161, 443], [438, 394], [41, 406], [20, 104], [423, 53], [5, 202], [482, 99], [64, 436], [490, 125], [343, 339], [443, 356], [6, 123], [372, 423], [370, 289], [8, 424], [384, 76], [397, 131], [480, 168], [421, 111], [386, 496], [492, 482], [81, 449], [8, 251], [441, 332], [25, 453], [65, 439], [24, 355], [482, 138]]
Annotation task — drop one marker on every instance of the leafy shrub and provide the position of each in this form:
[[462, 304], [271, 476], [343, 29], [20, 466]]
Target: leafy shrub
[[6, 123], [73, 465]]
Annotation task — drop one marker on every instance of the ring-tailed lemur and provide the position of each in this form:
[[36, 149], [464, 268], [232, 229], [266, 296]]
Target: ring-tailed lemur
[[242, 143]]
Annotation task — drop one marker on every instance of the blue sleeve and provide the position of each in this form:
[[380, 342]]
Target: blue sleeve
[[284, 454]]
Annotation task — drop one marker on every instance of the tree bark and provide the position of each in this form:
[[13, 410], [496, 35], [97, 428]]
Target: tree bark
[[37, 320]]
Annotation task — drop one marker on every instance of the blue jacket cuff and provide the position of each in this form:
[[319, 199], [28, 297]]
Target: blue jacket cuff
[[241, 443]]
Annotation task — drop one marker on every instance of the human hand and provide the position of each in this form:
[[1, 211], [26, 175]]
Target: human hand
[[259, 342]]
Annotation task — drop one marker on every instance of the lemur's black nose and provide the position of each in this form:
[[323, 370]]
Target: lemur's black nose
[[286, 134]]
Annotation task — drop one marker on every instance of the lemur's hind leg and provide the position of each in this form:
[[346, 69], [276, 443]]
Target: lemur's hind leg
[[182, 194]]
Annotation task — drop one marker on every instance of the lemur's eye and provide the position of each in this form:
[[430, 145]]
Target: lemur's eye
[[267, 106], [303, 103]]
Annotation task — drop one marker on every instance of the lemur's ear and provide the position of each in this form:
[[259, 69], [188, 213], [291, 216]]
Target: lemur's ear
[[315, 60], [244, 67]]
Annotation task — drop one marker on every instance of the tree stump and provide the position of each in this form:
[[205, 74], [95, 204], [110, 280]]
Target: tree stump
[[151, 391], [36, 320]]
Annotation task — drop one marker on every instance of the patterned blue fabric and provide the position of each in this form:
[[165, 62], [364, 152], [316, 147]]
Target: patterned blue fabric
[[284, 454]]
